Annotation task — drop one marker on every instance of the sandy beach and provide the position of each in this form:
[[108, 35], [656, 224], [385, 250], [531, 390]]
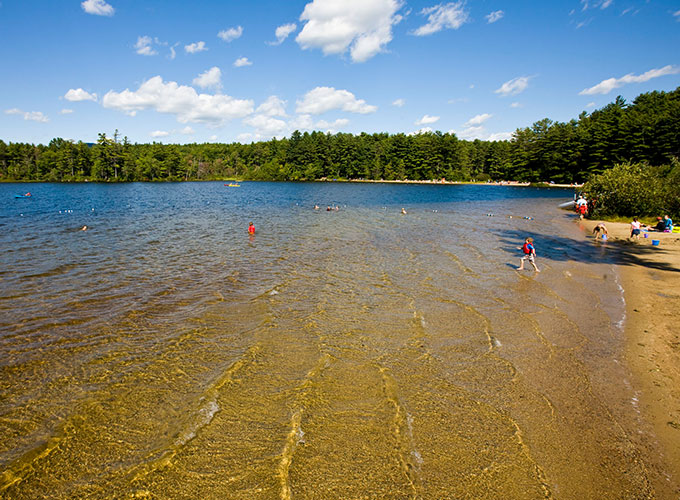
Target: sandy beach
[[652, 293]]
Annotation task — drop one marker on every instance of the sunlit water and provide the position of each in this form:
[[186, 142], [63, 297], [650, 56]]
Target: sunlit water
[[357, 353]]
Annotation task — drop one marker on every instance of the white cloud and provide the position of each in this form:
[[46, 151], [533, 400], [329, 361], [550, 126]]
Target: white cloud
[[272, 106], [79, 95], [398, 103], [334, 26], [514, 86], [676, 15], [97, 7], [499, 136], [267, 126], [159, 133], [241, 62], [302, 122], [322, 99], [195, 47], [282, 32], [494, 16], [516, 105], [187, 130], [332, 127], [211, 78], [213, 137], [179, 100], [230, 34], [475, 121], [606, 86], [443, 16], [423, 130], [143, 46], [427, 119], [173, 53], [35, 116], [590, 105], [65, 111]]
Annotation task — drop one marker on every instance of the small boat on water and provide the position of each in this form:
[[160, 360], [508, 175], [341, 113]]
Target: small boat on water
[[233, 185], [27, 195]]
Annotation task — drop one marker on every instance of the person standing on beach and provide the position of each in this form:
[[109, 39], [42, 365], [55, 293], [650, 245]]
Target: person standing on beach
[[529, 254], [635, 228], [251, 228]]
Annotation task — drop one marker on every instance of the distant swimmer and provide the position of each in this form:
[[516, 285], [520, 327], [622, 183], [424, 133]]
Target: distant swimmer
[[84, 228], [403, 210], [316, 207], [251, 228]]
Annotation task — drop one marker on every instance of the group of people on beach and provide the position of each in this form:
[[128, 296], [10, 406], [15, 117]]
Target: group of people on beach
[[663, 225]]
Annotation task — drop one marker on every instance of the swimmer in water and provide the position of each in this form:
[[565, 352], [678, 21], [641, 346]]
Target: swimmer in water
[[403, 210], [251, 228]]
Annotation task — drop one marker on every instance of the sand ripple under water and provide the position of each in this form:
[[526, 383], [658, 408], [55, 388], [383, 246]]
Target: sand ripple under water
[[354, 354]]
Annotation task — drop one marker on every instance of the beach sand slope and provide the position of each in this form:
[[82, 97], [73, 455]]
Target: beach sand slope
[[651, 279]]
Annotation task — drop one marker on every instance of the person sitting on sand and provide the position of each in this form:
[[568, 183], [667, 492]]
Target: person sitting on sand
[[600, 229], [660, 225], [635, 228], [403, 211], [668, 228], [529, 254]]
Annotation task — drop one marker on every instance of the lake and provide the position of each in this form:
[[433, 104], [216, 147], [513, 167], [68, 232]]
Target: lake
[[350, 353]]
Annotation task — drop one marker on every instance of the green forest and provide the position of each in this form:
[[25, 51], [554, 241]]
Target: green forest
[[646, 131]]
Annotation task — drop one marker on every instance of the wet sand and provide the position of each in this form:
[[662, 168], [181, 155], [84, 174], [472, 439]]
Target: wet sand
[[652, 293]]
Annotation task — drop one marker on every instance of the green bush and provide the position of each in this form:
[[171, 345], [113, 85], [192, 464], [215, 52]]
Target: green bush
[[629, 189]]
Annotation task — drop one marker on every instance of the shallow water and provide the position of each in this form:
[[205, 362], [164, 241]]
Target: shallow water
[[357, 353]]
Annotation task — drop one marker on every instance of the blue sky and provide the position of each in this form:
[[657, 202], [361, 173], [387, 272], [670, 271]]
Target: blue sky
[[180, 72]]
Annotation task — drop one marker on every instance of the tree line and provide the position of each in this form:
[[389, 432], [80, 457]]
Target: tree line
[[645, 131]]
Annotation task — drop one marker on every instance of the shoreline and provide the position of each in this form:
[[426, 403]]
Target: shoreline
[[651, 287]]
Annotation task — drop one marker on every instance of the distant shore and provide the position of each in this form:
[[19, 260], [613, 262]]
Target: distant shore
[[651, 280], [477, 183]]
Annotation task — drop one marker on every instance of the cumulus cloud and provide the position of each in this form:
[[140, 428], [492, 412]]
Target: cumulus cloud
[[267, 126], [143, 46], [187, 130], [476, 121], [322, 99], [494, 16], [363, 27], [427, 119], [398, 102], [332, 127], [159, 133], [443, 16], [195, 47], [97, 7], [179, 100], [211, 78], [606, 86], [272, 106], [514, 86], [66, 111], [676, 15], [282, 32], [230, 34], [499, 136], [35, 116], [79, 95], [423, 130], [241, 62], [516, 105]]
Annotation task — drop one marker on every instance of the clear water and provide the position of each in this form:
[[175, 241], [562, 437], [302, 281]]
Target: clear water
[[357, 353]]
